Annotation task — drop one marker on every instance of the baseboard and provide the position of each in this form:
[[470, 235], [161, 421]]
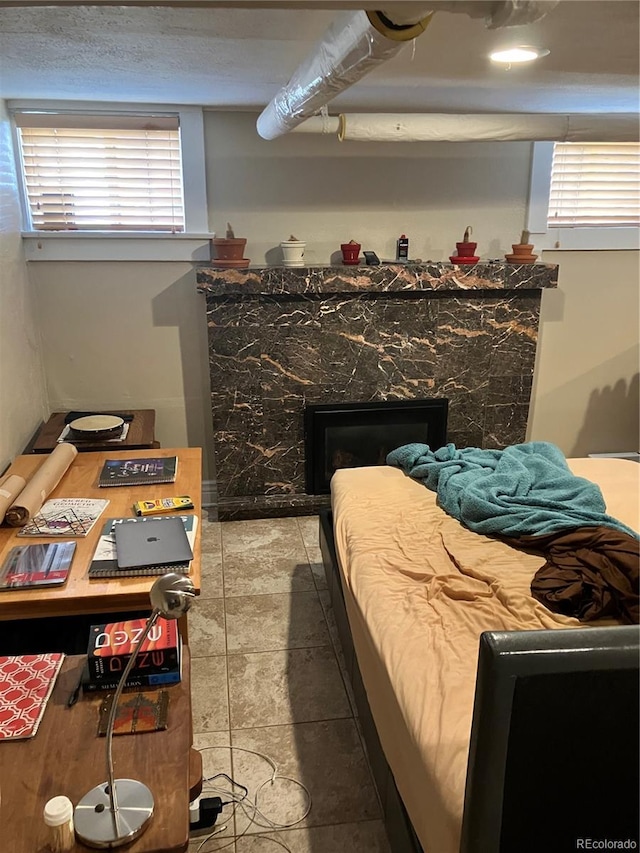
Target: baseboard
[[209, 493]]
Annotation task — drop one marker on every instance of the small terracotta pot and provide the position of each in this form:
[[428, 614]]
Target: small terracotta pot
[[522, 254], [228, 248], [350, 253]]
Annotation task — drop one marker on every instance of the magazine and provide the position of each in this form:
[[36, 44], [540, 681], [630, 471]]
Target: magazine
[[65, 517], [139, 472], [37, 565]]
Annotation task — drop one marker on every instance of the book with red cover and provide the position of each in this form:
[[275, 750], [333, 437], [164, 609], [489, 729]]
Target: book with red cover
[[111, 644], [26, 682]]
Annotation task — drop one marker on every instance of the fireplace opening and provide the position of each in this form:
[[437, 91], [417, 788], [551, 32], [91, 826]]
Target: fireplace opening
[[354, 435]]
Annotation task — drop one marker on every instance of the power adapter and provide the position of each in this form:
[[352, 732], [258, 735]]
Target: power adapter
[[207, 814]]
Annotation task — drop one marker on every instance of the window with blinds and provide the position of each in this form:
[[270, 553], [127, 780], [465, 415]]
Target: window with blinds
[[102, 172], [595, 185]]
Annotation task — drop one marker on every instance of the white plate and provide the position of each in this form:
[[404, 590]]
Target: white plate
[[96, 423]]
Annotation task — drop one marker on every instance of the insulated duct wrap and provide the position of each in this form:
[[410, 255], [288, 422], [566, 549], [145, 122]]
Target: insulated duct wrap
[[382, 127], [349, 49], [358, 42]]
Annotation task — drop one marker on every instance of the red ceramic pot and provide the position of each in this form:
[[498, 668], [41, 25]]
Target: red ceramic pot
[[466, 250], [350, 253]]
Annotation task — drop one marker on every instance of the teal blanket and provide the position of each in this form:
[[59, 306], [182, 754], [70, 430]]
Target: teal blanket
[[526, 489]]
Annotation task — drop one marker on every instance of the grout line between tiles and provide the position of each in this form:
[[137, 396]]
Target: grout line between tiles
[[270, 651], [266, 594], [291, 724], [314, 825]]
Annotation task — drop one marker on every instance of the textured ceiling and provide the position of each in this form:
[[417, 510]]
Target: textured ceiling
[[239, 58]]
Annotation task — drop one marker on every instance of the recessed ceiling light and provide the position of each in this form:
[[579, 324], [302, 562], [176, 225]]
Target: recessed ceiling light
[[522, 53]]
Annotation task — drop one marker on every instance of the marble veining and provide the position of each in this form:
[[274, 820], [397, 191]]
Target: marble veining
[[282, 338]]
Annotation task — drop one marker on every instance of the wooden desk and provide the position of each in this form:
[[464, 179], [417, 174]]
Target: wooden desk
[[140, 435], [66, 757], [80, 595]]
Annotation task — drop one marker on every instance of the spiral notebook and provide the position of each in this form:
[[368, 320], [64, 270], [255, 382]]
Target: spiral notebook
[[139, 472], [105, 564]]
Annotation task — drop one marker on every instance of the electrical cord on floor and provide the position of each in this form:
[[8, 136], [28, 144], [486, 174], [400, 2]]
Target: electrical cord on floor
[[250, 808]]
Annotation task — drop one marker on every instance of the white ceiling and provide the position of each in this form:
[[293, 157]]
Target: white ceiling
[[235, 58]]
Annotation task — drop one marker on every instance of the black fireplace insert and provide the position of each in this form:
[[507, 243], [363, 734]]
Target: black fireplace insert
[[353, 435]]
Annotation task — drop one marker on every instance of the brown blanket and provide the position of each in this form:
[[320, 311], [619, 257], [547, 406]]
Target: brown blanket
[[591, 572]]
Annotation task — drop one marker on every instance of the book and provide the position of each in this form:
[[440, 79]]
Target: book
[[105, 563], [158, 679], [111, 644], [65, 517], [37, 565], [26, 683], [139, 472]]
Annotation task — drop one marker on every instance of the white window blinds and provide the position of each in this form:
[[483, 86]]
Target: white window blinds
[[594, 185], [102, 172]]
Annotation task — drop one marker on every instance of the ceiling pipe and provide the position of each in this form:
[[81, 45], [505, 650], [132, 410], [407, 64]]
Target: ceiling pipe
[[358, 42], [350, 48], [319, 124], [501, 127]]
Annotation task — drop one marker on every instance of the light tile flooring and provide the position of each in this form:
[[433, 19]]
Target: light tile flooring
[[267, 676]]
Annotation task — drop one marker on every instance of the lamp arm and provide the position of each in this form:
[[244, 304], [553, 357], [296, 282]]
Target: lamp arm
[[113, 800]]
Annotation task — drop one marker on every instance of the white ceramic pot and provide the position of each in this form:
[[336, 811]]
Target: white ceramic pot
[[293, 252]]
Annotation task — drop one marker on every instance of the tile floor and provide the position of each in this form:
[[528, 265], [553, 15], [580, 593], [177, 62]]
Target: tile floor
[[267, 676]]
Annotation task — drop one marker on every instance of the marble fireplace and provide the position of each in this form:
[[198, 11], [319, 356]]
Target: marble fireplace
[[350, 435], [281, 340]]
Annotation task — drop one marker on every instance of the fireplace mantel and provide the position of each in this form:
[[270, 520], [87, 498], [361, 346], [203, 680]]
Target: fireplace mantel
[[386, 278], [280, 338]]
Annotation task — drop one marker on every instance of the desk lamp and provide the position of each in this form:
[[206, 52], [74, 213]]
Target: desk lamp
[[119, 810]]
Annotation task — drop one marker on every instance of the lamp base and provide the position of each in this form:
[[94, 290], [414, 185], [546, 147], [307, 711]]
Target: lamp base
[[97, 826]]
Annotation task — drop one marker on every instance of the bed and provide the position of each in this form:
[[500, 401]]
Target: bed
[[419, 590]]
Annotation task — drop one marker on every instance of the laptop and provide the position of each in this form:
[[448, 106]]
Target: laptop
[[152, 542]]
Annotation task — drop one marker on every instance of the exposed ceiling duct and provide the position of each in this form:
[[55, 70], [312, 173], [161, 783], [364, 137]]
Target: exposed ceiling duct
[[358, 42], [433, 127]]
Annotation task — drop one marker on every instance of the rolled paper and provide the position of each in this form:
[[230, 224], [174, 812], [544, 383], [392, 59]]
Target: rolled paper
[[10, 488], [46, 478]]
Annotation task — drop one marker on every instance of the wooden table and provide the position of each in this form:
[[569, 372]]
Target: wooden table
[[66, 757], [80, 595], [140, 435]]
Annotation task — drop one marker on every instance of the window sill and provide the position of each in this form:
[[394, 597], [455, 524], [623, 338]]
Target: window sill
[[109, 246], [587, 239]]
